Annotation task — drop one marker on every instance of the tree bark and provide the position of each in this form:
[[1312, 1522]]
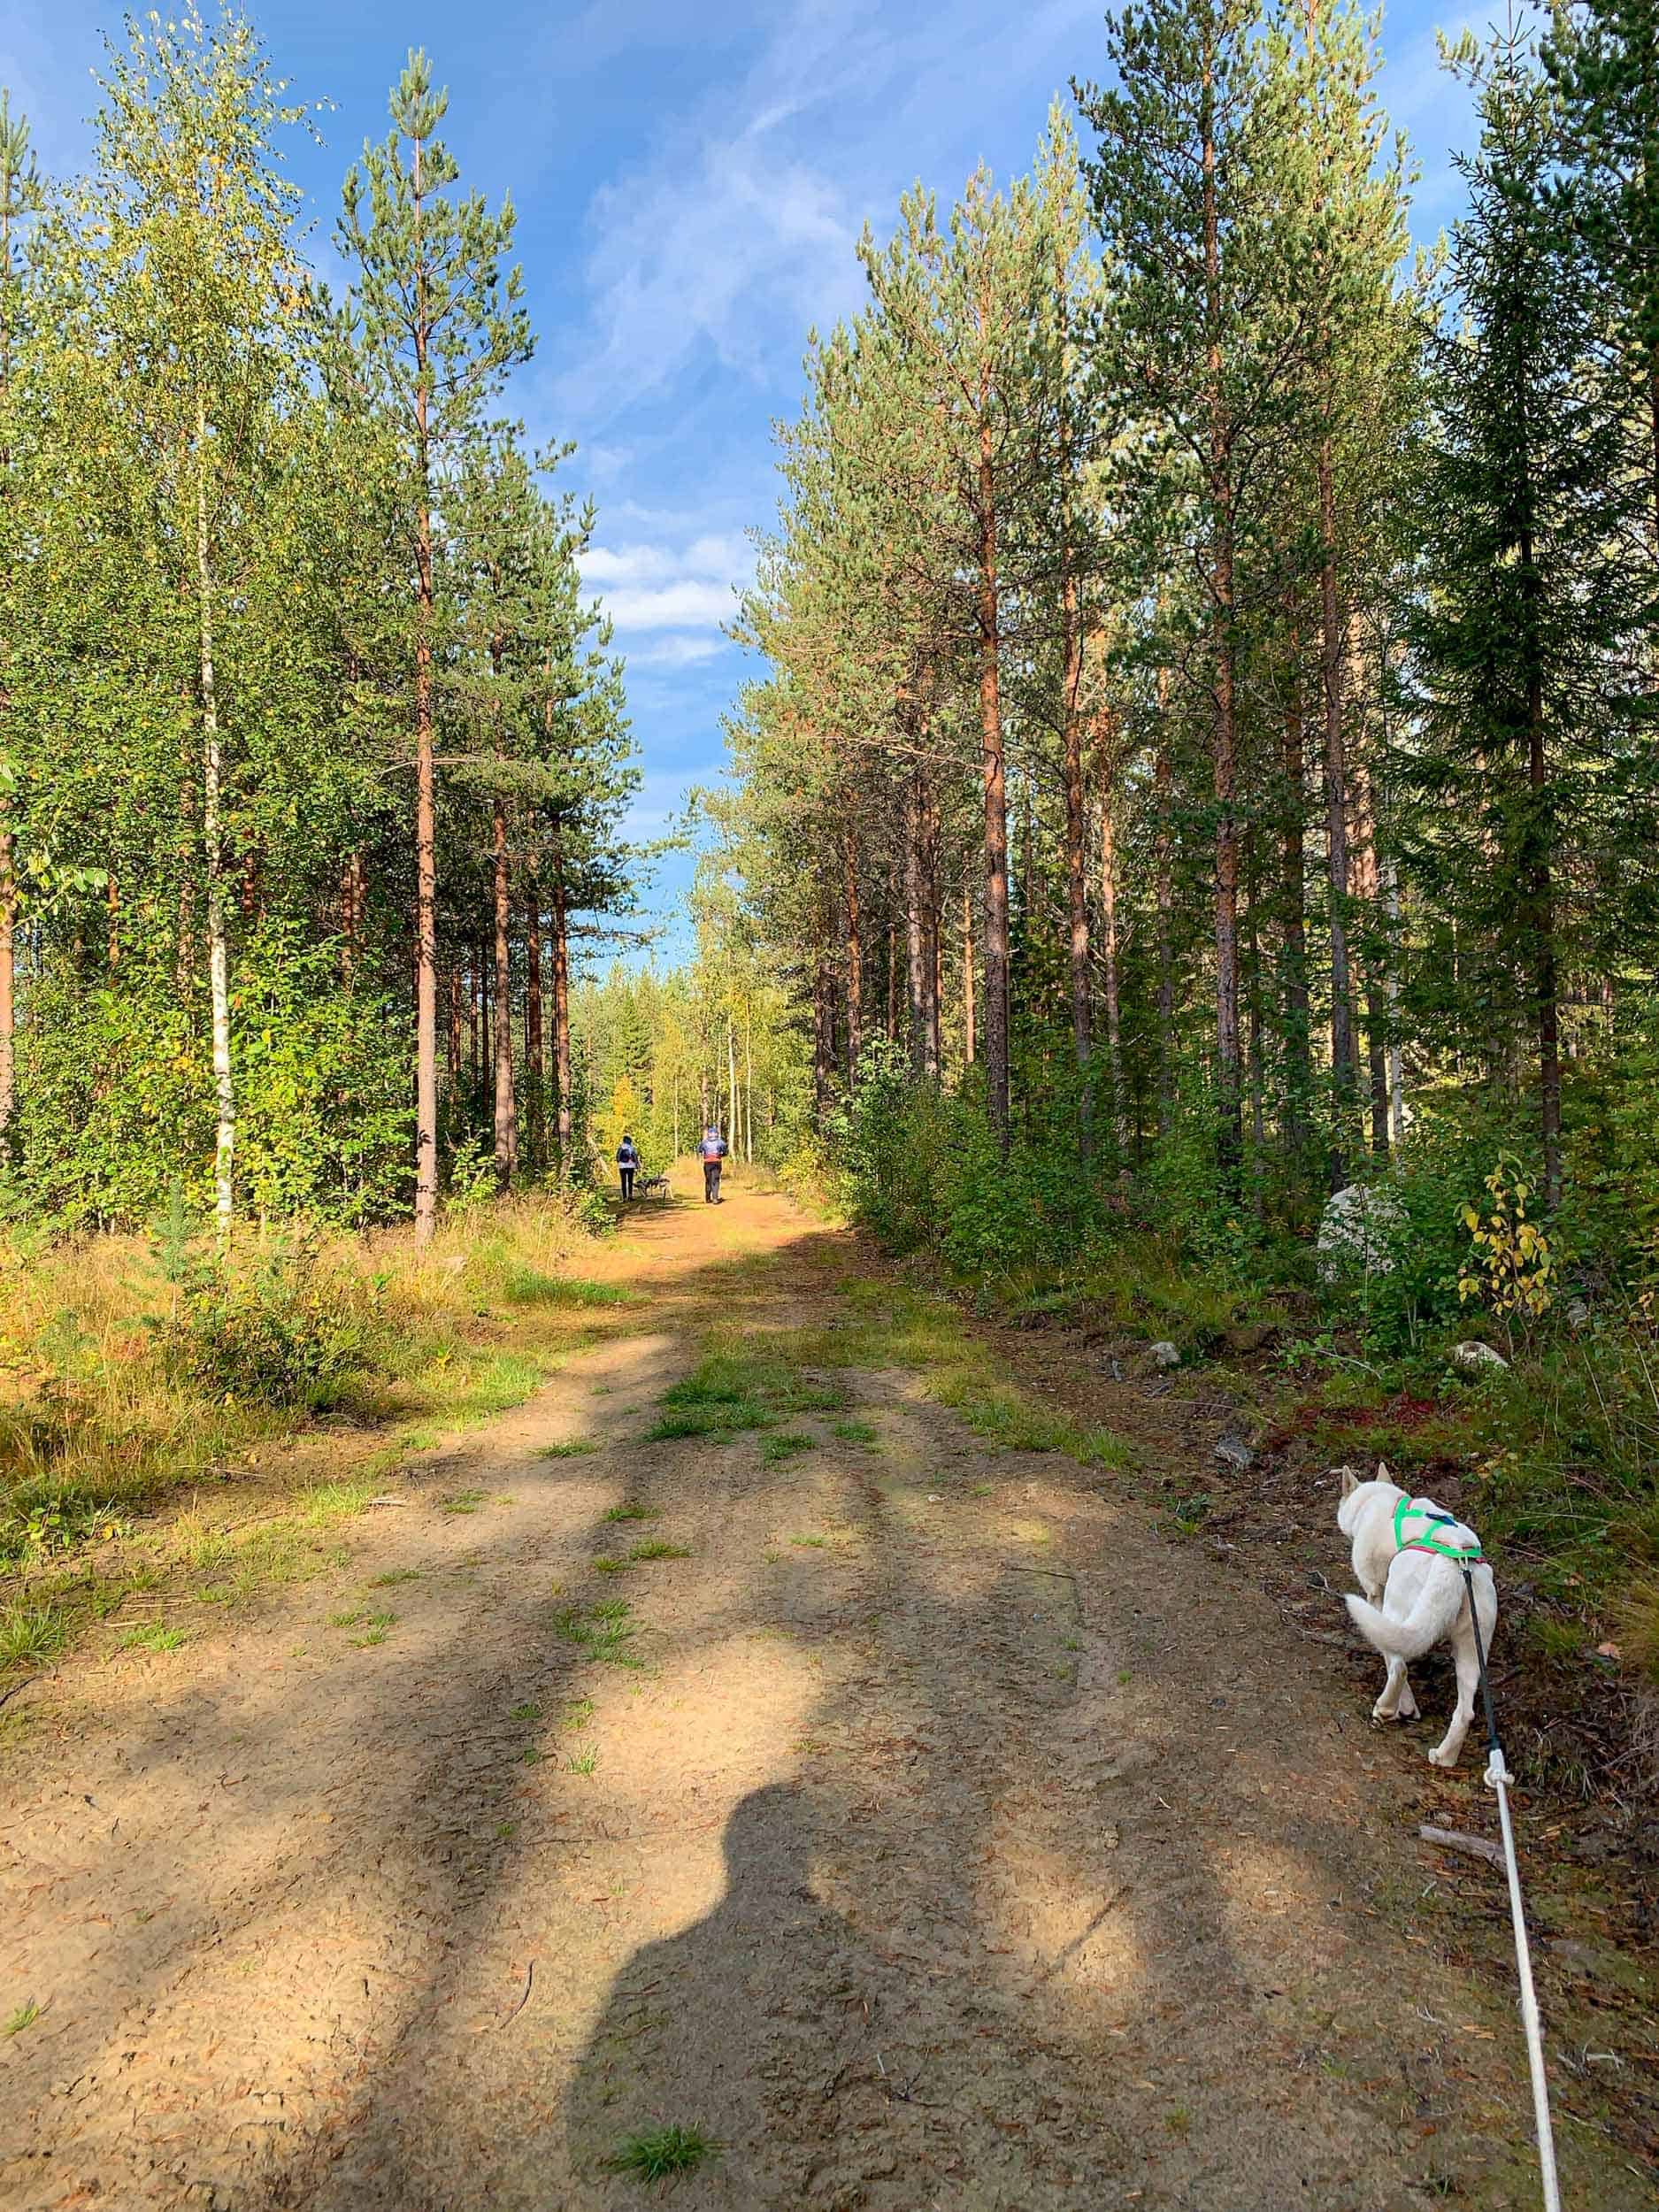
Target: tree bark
[[823, 1037], [561, 951], [915, 930], [1538, 891], [534, 1051], [1344, 1068], [1108, 773], [1229, 1103], [996, 788], [1294, 894], [854, 954], [1367, 882], [506, 1098], [213, 843], [1075, 815], [425, 776], [968, 1021], [1163, 776]]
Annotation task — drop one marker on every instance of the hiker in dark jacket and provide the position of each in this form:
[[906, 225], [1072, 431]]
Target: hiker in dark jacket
[[628, 1165], [711, 1151]]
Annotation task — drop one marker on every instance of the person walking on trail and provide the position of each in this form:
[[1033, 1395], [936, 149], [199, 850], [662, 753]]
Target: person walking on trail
[[628, 1165], [711, 1151]]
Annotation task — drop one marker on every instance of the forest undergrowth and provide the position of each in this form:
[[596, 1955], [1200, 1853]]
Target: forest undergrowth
[[172, 1416], [1551, 1448]]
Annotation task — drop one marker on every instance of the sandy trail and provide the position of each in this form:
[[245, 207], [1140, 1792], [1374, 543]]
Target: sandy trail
[[959, 1844]]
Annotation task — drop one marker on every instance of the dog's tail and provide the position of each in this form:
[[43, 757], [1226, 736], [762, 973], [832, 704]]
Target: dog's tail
[[1407, 1636]]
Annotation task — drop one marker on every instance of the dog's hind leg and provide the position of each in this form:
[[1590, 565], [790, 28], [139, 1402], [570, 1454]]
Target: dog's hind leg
[[1447, 1752], [1408, 1707], [1387, 1706]]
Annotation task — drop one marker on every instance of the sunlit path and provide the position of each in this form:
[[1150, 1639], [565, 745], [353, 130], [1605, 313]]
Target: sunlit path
[[895, 1810]]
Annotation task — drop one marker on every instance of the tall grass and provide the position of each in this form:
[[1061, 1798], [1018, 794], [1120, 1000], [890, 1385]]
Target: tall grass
[[133, 1370]]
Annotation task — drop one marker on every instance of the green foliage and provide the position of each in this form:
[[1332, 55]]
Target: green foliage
[[287, 1331], [30, 1634], [1510, 1263], [662, 2154]]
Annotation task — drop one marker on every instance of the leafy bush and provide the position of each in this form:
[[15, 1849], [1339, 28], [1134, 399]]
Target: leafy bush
[[292, 1332], [921, 1169]]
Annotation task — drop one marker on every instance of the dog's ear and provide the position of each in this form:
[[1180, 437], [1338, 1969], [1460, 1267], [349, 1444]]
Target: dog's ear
[[1350, 1482], [1383, 1474]]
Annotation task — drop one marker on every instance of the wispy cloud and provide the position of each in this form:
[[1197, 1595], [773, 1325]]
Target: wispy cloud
[[649, 586], [676, 650]]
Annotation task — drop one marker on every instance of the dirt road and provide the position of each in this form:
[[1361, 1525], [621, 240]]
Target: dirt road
[[931, 1833]]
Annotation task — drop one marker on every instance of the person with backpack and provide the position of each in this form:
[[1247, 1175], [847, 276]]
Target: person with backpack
[[628, 1165], [711, 1151]]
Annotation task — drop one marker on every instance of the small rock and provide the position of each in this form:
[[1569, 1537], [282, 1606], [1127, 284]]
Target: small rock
[[1577, 1314], [1165, 1355], [1234, 1453], [1475, 1358]]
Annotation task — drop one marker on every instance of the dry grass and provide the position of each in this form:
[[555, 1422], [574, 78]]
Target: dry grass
[[103, 1435]]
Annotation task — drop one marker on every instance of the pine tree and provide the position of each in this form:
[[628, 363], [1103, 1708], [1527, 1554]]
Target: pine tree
[[1603, 57], [441, 323], [1189, 190], [1526, 633]]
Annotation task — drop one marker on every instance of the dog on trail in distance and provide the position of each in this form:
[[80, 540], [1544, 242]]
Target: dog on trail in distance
[[1409, 1558]]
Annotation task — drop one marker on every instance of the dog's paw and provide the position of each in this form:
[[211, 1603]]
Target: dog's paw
[[1408, 1707], [1441, 1757], [1381, 1714]]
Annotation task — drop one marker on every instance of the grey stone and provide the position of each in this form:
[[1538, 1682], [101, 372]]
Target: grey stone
[[1475, 1358]]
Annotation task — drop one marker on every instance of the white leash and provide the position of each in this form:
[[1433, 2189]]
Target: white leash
[[1499, 1777]]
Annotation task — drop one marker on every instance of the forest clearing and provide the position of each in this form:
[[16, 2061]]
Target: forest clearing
[[1092, 748]]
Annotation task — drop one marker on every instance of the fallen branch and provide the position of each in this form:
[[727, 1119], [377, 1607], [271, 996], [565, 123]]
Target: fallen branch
[[1473, 1846]]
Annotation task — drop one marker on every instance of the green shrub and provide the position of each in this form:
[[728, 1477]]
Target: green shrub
[[290, 1333]]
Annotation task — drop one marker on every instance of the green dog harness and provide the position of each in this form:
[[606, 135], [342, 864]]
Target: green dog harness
[[1426, 1539]]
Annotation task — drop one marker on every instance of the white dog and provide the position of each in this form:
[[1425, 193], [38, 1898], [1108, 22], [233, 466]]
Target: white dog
[[1409, 1559]]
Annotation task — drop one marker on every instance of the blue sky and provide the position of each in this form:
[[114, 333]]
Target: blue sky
[[690, 181]]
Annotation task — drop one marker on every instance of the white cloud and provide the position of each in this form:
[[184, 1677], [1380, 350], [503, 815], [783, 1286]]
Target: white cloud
[[680, 606], [649, 586], [727, 239], [676, 650]]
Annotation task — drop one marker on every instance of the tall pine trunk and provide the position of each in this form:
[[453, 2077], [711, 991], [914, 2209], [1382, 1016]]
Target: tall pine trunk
[[1108, 773], [1344, 1065], [534, 1052], [922, 1064], [213, 843], [853, 924], [1163, 778], [506, 1100], [1367, 883], [1076, 813], [425, 777], [996, 951], [969, 1013], [561, 952], [1293, 897], [1538, 891], [1229, 1099]]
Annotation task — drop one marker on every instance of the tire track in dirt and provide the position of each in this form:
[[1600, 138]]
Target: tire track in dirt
[[960, 1844]]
